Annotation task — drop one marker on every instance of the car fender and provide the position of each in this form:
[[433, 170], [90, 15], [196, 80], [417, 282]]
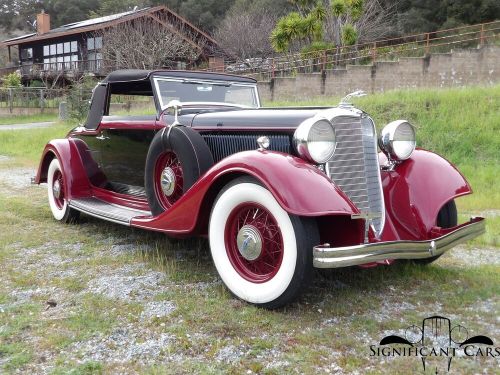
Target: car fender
[[416, 190], [299, 187], [68, 154]]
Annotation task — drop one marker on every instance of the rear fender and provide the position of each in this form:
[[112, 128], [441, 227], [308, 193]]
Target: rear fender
[[300, 188], [75, 176], [415, 192]]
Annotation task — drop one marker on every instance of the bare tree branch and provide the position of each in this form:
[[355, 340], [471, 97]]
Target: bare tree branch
[[246, 35], [149, 43]]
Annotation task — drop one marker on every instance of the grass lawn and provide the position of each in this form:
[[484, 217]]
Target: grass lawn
[[98, 297]]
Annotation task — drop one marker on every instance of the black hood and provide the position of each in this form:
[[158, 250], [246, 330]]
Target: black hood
[[285, 118]]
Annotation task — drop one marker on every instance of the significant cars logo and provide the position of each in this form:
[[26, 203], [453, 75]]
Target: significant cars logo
[[436, 343]]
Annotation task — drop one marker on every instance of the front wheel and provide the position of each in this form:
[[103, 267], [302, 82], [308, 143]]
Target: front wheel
[[56, 189], [262, 254]]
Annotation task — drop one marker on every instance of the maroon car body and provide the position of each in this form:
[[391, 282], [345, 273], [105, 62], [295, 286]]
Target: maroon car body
[[179, 173]]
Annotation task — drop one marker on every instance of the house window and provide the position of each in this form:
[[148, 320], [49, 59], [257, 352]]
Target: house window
[[26, 53], [59, 56], [94, 43]]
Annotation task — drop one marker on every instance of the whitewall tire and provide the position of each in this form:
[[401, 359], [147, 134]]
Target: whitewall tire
[[56, 189], [262, 254]]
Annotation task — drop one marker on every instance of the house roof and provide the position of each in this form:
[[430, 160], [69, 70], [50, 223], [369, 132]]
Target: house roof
[[100, 23]]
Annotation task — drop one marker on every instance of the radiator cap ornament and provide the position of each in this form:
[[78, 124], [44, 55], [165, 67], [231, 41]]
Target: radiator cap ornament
[[346, 100]]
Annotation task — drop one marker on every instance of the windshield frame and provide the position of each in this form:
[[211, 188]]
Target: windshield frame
[[163, 106]]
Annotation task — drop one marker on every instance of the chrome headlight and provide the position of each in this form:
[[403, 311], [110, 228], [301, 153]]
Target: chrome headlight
[[397, 140], [314, 140]]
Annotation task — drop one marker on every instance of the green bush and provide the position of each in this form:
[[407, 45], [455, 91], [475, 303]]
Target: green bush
[[12, 80], [78, 98], [37, 84]]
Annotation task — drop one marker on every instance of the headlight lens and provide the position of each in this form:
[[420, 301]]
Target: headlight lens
[[315, 140], [397, 140]]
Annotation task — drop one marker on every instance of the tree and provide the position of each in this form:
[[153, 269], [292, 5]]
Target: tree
[[67, 11], [245, 34], [108, 7], [206, 14], [332, 22], [147, 43]]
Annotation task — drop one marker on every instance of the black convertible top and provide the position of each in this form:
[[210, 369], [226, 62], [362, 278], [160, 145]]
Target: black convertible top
[[129, 75]]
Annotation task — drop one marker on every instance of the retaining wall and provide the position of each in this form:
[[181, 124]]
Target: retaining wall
[[456, 69]]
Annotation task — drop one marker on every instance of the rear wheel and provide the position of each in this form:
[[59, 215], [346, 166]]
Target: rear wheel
[[262, 254], [447, 218], [57, 190]]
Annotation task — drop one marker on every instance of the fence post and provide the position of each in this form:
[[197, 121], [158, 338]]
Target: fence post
[[374, 53], [42, 101], [427, 40], [11, 99], [323, 63], [481, 37]]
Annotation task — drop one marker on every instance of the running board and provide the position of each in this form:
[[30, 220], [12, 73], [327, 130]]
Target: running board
[[107, 211]]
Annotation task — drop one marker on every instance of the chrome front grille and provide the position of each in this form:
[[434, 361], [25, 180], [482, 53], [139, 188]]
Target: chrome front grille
[[355, 168]]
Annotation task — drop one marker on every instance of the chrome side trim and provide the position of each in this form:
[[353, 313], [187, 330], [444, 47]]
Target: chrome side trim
[[325, 256]]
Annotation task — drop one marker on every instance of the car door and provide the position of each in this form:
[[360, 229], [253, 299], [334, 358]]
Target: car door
[[124, 144]]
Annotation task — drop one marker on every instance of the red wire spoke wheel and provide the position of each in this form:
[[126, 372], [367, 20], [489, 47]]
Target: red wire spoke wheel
[[262, 253], [254, 243], [56, 189], [168, 179]]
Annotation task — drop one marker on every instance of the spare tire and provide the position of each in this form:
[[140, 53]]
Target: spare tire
[[175, 161]]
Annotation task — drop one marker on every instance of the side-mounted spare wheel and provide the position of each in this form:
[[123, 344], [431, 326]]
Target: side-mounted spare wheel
[[262, 253], [175, 161], [57, 190]]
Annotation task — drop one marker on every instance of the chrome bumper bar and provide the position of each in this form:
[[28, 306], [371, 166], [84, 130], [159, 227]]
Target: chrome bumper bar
[[325, 256]]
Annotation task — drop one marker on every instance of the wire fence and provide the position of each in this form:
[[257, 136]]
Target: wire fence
[[26, 97], [418, 45]]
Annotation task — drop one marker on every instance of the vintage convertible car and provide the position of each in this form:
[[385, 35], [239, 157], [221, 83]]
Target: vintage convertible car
[[277, 191]]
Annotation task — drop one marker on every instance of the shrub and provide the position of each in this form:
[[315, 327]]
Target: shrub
[[37, 84], [12, 80], [79, 96]]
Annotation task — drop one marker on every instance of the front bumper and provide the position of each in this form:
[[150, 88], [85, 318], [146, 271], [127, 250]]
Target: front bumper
[[325, 256]]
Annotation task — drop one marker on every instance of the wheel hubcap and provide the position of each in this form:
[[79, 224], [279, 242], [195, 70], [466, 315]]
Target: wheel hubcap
[[254, 243], [168, 181], [249, 242], [56, 189]]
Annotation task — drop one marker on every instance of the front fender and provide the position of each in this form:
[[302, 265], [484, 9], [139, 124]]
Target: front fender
[[415, 192], [66, 151], [300, 188]]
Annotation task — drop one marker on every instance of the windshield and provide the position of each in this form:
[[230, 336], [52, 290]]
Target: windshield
[[184, 90]]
